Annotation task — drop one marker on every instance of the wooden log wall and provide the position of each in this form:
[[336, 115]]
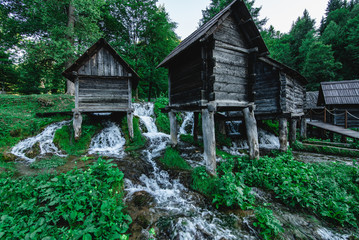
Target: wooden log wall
[[267, 89], [185, 79], [102, 64], [98, 94], [294, 94], [352, 122], [230, 72]]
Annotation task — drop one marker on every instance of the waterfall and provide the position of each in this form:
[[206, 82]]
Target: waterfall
[[172, 198], [187, 121], [45, 141], [109, 142]]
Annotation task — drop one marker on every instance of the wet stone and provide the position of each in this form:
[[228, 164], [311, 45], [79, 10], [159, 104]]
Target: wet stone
[[142, 199], [9, 157], [34, 151]]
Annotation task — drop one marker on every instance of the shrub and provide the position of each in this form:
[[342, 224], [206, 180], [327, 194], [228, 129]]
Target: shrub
[[269, 225], [138, 140], [53, 162], [79, 204], [162, 119]]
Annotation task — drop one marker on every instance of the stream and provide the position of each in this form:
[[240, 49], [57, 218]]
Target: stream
[[161, 199]]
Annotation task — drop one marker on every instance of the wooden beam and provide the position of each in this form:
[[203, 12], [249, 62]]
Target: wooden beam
[[283, 134], [303, 128], [252, 132], [130, 124], [209, 140], [173, 127], [77, 122], [292, 131]]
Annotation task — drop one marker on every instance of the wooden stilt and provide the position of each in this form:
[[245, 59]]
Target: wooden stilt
[[283, 134], [252, 132], [173, 127], [303, 128], [195, 126], [77, 122], [209, 140], [130, 124], [293, 131]]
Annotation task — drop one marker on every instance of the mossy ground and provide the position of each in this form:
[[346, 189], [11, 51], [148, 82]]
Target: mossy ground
[[18, 116]]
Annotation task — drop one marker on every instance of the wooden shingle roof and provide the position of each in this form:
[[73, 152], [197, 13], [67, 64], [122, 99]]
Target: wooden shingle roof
[[311, 100], [339, 93], [84, 58], [245, 23]]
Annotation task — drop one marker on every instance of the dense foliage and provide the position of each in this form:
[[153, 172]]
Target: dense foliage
[[45, 37], [329, 53], [83, 204], [173, 159]]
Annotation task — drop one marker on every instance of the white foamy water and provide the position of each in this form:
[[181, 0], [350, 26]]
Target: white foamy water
[[109, 142], [45, 141], [187, 121], [171, 197]]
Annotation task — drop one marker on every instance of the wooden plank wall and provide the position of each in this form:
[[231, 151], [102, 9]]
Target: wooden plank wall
[[231, 67], [102, 64], [185, 79], [339, 119], [267, 89], [99, 94], [295, 95]]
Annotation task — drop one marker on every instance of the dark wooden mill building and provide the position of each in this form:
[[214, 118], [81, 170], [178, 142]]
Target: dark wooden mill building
[[341, 102], [224, 66], [103, 83]]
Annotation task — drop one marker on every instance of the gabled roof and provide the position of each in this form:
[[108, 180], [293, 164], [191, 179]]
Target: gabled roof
[[242, 15], [290, 71], [339, 93], [101, 43], [311, 100]]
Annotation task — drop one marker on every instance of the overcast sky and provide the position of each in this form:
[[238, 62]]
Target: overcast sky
[[281, 13]]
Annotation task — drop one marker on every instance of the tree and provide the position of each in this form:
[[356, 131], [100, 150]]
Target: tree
[[8, 75], [217, 5]]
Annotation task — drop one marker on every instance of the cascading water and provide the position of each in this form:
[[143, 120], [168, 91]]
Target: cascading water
[[45, 141], [174, 200], [109, 142], [187, 122]]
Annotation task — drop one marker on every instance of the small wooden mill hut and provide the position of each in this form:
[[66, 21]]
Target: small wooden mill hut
[[341, 100], [103, 83], [224, 66]]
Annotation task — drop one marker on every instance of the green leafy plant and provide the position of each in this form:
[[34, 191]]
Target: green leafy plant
[[269, 225], [162, 119], [83, 204], [138, 140]]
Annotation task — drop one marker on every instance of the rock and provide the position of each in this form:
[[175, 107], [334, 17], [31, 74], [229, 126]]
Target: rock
[[142, 199], [34, 151], [9, 157]]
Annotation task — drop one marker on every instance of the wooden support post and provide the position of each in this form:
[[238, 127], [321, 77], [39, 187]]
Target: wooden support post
[[173, 127], [195, 126], [252, 132], [344, 138], [130, 124], [324, 133], [209, 140], [311, 114], [292, 131], [283, 134], [77, 122], [303, 128]]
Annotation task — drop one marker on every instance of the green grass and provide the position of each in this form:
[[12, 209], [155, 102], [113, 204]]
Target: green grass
[[325, 150], [173, 159], [65, 140], [138, 140], [79, 204], [18, 116]]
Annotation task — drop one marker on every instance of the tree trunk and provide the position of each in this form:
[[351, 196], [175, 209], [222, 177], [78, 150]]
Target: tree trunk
[[70, 86], [293, 131]]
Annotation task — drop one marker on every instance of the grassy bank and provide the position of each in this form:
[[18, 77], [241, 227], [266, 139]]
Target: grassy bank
[[18, 115]]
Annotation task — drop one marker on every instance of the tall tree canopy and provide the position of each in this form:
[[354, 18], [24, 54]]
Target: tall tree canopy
[[51, 34]]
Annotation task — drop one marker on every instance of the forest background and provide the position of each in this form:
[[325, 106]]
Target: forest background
[[39, 39]]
